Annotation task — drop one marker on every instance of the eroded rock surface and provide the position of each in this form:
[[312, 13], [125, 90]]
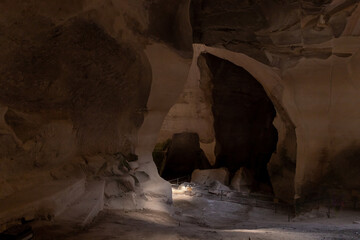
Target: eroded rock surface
[[208, 176], [83, 81], [78, 81], [304, 54], [243, 180]]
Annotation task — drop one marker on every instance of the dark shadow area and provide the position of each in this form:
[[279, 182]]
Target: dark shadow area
[[243, 120], [182, 156]]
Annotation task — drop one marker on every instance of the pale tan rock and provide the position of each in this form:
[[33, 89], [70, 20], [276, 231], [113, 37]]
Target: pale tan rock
[[141, 176], [192, 112], [218, 188], [242, 180], [126, 183], [76, 101], [207, 176], [127, 201], [112, 189], [167, 84], [93, 78], [134, 165]]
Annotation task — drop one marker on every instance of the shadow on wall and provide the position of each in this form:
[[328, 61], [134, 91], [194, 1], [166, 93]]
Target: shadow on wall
[[338, 178]]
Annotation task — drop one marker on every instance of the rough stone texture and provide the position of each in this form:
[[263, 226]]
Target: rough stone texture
[[274, 32], [179, 119], [192, 111], [312, 103], [243, 116], [208, 176], [77, 79], [166, 87], [282, 164], [216, 187], [310, 46], [243, 180], [83, 80], [325, 118], [311, 51]]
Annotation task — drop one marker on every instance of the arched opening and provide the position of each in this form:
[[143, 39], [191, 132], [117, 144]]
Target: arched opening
[[242, 119], [243, 122]]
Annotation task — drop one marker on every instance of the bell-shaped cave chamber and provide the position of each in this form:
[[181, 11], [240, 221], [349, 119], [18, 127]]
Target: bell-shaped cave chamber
[[245, 136], [243, 122]]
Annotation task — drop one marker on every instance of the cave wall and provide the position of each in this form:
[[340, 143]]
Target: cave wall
[[182, 116], [192, 111], [84, 80], [325, 125], [315, 107], [312, 46]]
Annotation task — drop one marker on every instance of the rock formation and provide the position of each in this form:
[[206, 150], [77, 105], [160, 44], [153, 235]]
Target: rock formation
[[183, 156], [304, 54], [242, 180], [88, 87], [84, 81], [208, 176]]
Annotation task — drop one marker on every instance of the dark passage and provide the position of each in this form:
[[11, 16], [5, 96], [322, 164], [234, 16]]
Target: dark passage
[[243, 116], [183, 156]]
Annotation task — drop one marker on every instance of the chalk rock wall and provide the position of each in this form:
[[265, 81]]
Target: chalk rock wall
[[89, 78], [83, 79], [283, 160], [306, 56], [192, 111]]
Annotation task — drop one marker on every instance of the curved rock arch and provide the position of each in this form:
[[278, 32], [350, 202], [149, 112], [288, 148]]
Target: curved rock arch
[[270, 79]]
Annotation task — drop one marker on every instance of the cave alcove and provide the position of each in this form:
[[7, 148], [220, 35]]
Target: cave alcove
[[243, 121], [180, 156]]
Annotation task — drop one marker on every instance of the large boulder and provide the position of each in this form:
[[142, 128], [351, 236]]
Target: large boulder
[[242, 180], [217, 188]]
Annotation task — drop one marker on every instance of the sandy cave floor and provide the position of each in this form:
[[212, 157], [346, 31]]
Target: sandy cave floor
[[201, 218]]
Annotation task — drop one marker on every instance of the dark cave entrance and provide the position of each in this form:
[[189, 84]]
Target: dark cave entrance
[[180, 156], [243, 121]]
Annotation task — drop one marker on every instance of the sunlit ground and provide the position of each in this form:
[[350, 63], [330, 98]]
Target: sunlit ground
[[200, 218]]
